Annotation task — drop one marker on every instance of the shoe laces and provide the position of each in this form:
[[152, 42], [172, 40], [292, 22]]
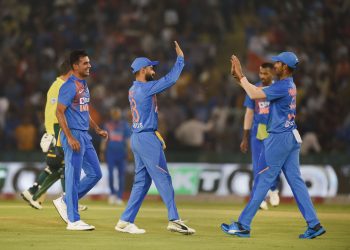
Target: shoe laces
[[309, 231]]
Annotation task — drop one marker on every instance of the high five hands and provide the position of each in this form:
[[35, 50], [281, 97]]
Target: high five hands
[[236, 68]]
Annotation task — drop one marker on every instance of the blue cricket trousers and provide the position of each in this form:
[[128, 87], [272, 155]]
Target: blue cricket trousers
[[114, 160], [150, 164], [257, 148], [85, 159], [281, 152]]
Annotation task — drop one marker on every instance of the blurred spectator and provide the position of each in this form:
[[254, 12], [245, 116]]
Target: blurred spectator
[[191, 133], [36, 35], [26, 134]]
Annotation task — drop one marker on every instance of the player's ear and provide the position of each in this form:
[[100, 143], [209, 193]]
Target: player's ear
[[75, 66]]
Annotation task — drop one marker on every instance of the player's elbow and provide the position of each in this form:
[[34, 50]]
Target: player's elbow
[[256, 95]]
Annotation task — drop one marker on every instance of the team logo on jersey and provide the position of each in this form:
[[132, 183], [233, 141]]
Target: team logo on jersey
[[263, 107], [82, 96], [84, 104], [53, 100]]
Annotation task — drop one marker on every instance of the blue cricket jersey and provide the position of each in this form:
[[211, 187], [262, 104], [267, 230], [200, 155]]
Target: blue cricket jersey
[[143, 100], [118, 134], [261, 110], [74, 94], [282, 96]]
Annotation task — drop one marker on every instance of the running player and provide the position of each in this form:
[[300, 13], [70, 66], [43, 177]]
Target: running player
[[254, 129], [50, 144], [150, 162], [74, 119], [282, 147]]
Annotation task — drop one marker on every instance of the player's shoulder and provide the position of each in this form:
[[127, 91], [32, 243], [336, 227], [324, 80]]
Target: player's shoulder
[[69, 83]]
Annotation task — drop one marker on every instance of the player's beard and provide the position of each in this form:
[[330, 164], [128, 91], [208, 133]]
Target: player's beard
[[149, 77]]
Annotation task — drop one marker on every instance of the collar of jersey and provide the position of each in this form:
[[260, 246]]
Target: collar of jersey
[[289, 79], [77, 79], [137, 82]]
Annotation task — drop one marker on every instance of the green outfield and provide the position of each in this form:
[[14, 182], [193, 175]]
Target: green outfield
[[22, 227]]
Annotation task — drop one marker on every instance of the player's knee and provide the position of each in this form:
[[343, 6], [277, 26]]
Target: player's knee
[[97, 175], [54, 168]]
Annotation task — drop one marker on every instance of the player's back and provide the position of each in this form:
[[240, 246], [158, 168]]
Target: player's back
[[143, 100], [143, 107]]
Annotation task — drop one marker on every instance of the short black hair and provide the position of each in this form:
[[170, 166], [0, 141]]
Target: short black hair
[[291, 70], [75, 56], [64, 67], [266, 65]]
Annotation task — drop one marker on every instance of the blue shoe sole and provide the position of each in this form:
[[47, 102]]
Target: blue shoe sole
[[235, 234]]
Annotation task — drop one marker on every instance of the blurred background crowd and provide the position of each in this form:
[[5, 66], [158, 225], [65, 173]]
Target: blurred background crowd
[[204, 110]]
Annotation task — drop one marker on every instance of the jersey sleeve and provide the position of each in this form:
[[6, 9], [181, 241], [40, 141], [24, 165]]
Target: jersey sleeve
[[169, 79], [276, 91], [67, 93], [249, 103]]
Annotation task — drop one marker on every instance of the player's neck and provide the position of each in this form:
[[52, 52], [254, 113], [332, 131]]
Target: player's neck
[[266, 83], [285, 75], [77, 75], [141, 78]]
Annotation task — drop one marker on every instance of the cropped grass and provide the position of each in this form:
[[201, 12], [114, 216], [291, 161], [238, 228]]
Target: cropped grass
[[22, 227]]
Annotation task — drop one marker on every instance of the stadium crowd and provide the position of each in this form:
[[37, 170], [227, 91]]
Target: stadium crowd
[[35, 38]]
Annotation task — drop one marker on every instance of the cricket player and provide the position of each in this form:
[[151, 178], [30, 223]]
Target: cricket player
[[254, 129], [147, 144], [50, 144], [282, 147], [74, 119], [114, 151]]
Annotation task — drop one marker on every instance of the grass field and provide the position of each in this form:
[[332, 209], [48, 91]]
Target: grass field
[[22, 227]]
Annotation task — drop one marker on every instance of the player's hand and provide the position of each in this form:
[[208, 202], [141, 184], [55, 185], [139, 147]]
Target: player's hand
[[233, 71], [102, 133], [244, 146], [179, 51], [236, 68], [74, 143]]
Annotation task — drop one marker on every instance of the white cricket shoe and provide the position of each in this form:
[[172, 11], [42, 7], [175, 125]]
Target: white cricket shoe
[[127, 227], [79, 226], [27, 196], [61, 208], [274, 199], [180, 227], [119, 202], [114, 200], [111, 199], [264, 206]]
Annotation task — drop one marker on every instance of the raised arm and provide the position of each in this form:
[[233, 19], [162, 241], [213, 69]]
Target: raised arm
[[170, 79]]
